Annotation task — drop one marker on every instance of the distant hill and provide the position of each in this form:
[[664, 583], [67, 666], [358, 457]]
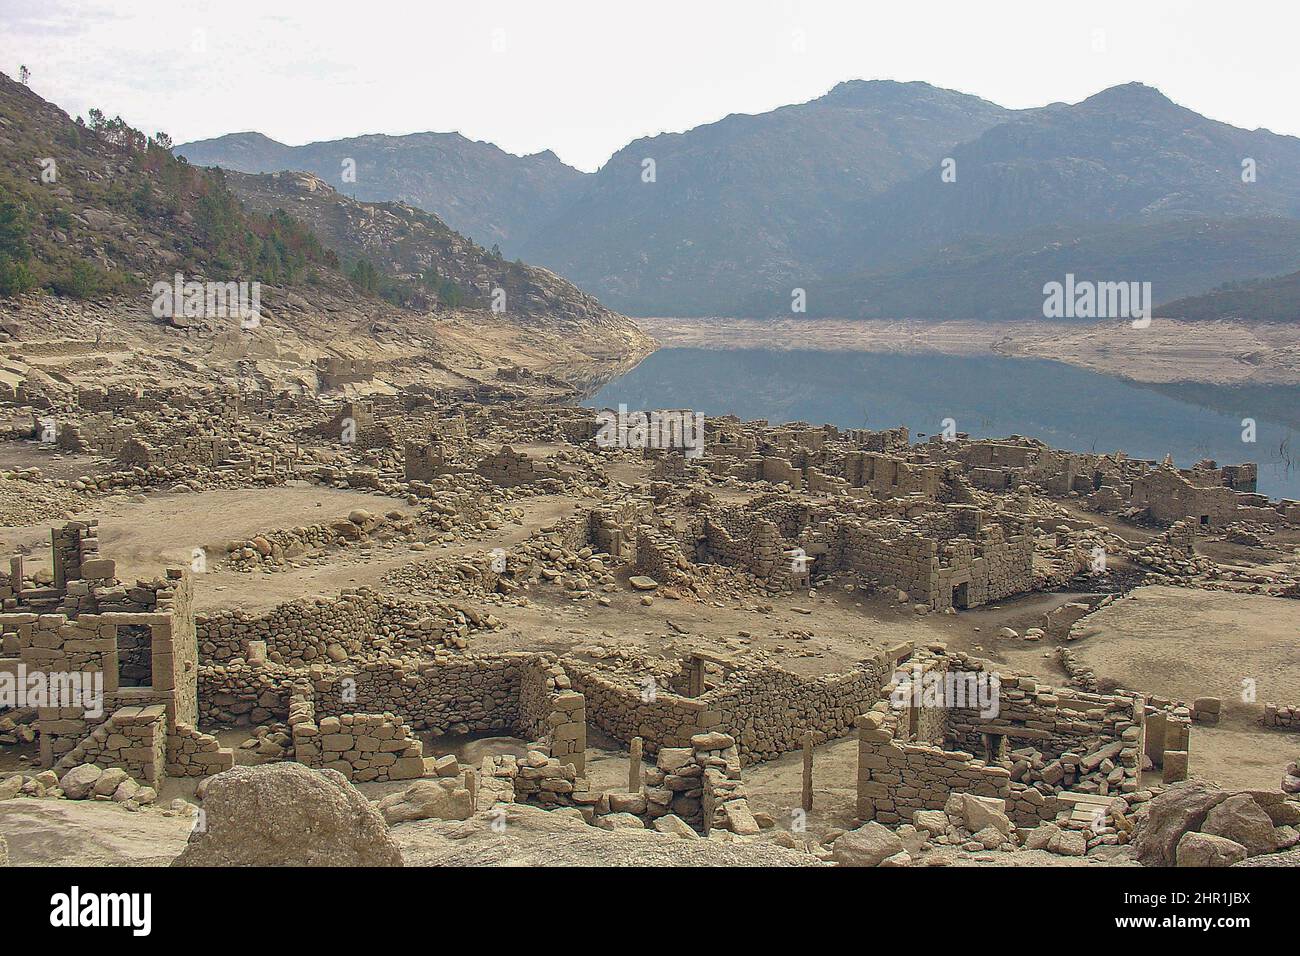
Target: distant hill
[[1001, 278], [417, 258], [477, 188], [749, 201], [1275, 299], [848, 197]]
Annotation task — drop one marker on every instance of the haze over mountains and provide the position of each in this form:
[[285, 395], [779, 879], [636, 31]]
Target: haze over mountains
[[846, 197]]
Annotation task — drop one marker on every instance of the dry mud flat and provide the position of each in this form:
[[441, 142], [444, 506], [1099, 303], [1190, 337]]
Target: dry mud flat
[[1218, 353]]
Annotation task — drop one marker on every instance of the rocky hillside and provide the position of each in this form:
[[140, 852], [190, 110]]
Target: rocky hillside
[[479, 189], [81, 247], [99, 208], [420, 261]]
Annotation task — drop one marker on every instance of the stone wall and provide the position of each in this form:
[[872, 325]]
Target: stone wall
[[456, 694], [363, 747], [537, 779], [896, 779], [355, 624], [133, 739], [192, 753], [766, 709], [87, 645], [551, 714], [701, 784], [1050, 743], [1281, 716], [507, 467]]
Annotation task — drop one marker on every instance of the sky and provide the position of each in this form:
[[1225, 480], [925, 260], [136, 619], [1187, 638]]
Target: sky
[[586, 78]]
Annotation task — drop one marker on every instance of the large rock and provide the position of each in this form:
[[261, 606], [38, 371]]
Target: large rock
[[976, 813], [982, 812], [519, 835], [1041, 836], [933, 821], [619, 821], [1068, 843], [1205, 849], [868, 845], [740, 820], [1243, 821], [633, 803], [287, 815], [676, 826], [440, 799], [78, 782], [109, 781], [1180, 808], [10, 787]]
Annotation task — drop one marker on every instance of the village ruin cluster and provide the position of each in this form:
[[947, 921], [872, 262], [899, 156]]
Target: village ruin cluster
[[766, 640]]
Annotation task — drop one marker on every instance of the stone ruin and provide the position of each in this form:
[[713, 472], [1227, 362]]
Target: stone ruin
[[139, 641]]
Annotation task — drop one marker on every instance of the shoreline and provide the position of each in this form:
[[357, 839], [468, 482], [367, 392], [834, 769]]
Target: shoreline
[[1227, 352]]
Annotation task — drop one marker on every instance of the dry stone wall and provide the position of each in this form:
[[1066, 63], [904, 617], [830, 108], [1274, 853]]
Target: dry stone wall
[[766, 709], [362, 747], [134, 739], [897, 779]]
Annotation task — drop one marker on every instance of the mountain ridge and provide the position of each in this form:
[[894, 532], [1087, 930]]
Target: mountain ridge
[[845, 193]]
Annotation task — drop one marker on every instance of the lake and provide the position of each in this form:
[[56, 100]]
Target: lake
[[987, 397]]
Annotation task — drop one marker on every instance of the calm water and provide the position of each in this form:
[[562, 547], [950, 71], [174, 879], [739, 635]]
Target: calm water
[[993, 397]]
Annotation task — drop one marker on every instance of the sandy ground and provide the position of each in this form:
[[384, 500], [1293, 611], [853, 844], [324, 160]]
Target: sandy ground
[[89, 833], [1223, 353], [1184, 644], [144, 536]]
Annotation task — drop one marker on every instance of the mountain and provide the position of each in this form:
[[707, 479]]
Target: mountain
[[86, 235], [1124, 186], [885, 199], [1001, 278], [421, 260], [1275, 299], [477, 188], [750, 200], [1125, 155]]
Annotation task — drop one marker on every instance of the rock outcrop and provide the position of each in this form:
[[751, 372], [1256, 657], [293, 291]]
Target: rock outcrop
[[287, 815]]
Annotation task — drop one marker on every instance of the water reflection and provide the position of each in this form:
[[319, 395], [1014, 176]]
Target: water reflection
[[989, 396]]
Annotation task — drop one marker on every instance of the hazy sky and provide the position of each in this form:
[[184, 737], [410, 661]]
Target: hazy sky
[[584, 78]]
